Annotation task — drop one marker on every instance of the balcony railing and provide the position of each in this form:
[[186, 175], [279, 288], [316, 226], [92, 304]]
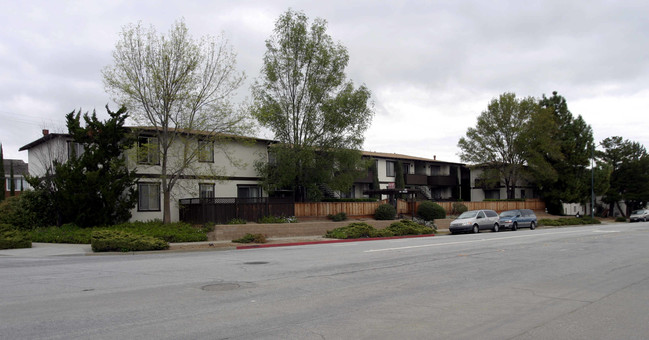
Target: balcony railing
[[430, 180]]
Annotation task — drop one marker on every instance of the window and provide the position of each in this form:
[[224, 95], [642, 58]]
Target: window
[[522, 193], [149, 197], [206, 151], [206, 190], [248, 191], [406, 168], [389, 169], [74, 149], [148, 150]]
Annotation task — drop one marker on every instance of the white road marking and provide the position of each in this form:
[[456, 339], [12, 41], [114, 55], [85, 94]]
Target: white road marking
[[471, 241]]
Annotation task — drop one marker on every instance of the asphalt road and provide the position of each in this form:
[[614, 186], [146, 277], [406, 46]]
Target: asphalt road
[[569, 283]]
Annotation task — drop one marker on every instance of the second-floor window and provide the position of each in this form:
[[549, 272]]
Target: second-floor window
[[206, 151], [406, 168], [389, 169], [148, 151]]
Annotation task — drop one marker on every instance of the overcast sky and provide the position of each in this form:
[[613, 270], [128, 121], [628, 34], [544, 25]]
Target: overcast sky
[[432, 66]]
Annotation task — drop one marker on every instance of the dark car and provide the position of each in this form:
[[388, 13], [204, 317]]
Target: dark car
[[639, 215], [519, 218]]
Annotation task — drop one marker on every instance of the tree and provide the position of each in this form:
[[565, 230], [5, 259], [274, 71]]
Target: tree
[[176, 85], [399, 181], [12, 180], [629, 176], [498, 142], [2, 171], [560, 158], [94, 187], [317, 115]]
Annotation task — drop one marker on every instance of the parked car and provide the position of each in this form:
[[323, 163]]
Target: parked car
[[639, 215], [519, 218], [474, 221]]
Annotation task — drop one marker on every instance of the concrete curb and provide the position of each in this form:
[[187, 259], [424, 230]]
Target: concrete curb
[[329, 241]]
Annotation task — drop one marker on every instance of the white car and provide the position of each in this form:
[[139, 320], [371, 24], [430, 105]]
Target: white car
[[641, 215], [474, 221]]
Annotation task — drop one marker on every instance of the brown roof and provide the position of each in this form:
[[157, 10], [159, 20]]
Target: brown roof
[[20, 167], [404, 157]]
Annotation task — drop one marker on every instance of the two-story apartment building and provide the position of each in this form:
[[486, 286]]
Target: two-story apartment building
[[435, 179], [219, 169]]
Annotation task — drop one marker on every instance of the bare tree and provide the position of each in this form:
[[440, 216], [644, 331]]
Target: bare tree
[[176, 86]]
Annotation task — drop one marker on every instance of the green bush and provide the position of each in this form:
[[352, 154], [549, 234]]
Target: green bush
[[459, 208], [430, 211], [568, 221], [171, 232], [620, 219], [67, 233], [251, 238], [237, 221], [341, 216], [385, 212], [353, 230], [408, 227], [277, 219], [119, 240], [10, 238]]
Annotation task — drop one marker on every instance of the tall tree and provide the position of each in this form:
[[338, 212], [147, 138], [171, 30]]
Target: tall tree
[[12, 180], [94, 186], [498, 140], [316, 114], [2, 171], [176, 85], [561, 168], [629, 177]]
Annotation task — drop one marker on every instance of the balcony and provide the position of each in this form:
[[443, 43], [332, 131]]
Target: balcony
[[369, 178], [416, 179], [442, 181]]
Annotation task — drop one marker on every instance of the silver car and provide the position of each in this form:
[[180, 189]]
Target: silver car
[[474, 221], [639, 215]]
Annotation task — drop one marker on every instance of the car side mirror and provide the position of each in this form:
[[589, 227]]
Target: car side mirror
[[479, 216]]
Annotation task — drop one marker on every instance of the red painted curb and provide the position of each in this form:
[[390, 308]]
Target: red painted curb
[[329, 241]]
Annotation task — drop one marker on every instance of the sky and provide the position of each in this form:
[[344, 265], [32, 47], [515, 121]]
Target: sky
[[432, 66]]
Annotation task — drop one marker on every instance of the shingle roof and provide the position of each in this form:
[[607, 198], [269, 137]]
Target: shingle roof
[[20, 167], [404, 157]]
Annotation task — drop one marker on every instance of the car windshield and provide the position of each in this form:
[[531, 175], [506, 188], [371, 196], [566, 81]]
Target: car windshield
[[511, 213], [638, 212], [467, 214]]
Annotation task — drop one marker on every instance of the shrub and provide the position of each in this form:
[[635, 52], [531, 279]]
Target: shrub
[[341, 216], [408, 227], [277, 219], [568, 221], [119, 240], [171, 232], [353, 230], [251, 238], [10, 238], [385, 212], [237, 221], [620, 219], [430, 211], [67, 233], [207, 227], [459, 208]]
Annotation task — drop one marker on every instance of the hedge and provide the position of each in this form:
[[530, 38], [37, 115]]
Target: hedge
[[117, 240], [11, 238]]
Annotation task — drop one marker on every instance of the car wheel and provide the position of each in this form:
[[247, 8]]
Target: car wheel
[[532, 226], [476, 229], [515, 226], [496, 228]]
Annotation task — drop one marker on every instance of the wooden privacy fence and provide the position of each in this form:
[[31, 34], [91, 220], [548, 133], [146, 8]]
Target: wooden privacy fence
[[223, 210], [366, 209]]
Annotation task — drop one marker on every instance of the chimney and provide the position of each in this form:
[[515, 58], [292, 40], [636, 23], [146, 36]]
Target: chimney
[[434, 157], [46, 132]]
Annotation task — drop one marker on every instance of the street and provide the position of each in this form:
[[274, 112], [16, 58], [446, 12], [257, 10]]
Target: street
[[586, 282]]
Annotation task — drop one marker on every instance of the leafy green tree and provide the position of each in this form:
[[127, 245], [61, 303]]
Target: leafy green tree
[[177, 85], [559, 155], [95, 187], [2, 171], [399, 180], [498, 142], [12, 180], [317, 115], [629, 176]]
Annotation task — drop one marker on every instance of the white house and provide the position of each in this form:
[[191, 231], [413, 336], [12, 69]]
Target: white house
[[222, 169], [481, 190]]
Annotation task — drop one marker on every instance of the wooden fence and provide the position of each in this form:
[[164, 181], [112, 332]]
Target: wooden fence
[[222, 210], [366, 209]]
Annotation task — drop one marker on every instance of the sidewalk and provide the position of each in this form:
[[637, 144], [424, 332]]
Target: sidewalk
[[48, 249]]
